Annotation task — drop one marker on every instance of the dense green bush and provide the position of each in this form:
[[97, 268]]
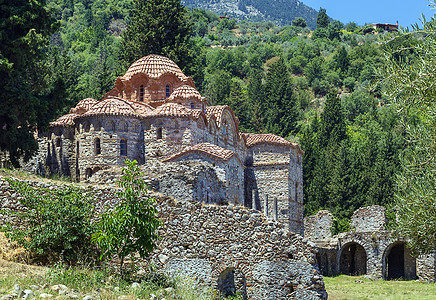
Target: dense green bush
[[55, 225]]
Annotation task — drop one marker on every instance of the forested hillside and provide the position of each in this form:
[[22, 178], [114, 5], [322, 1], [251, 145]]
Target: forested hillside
[[312, 87], [281, 12]]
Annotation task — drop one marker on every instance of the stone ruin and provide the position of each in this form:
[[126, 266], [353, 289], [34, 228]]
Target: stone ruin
[[368, 248], [231, 248]]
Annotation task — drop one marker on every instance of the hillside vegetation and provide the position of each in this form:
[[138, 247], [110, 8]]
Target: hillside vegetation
[[312, 87], [279, 12]]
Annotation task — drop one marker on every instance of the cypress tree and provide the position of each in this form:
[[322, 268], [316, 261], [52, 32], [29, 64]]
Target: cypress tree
[[281, 110], [158, 27], [322, 20]]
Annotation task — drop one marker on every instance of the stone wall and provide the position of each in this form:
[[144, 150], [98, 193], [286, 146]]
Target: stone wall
[[273, 172], [317, 227], [233, 171], [368, 248], [369, 218], [266, 261]]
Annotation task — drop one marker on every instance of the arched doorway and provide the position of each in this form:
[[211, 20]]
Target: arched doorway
[[352, 259], [398, 262], [232, 282]]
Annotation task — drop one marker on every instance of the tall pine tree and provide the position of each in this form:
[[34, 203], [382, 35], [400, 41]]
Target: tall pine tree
[[24, 28], [281, 104], [158, 27]]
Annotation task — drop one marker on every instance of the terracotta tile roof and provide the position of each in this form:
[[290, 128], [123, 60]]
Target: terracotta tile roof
[[210, 150], [217, 112], [141, 108], [252, 139], [174, 110], [83, 105], [185, 92], [65, 120], [113, 106], [154, 66]]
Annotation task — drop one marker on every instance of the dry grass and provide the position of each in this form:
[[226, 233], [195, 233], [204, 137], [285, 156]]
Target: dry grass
[[356, 287], [11, 251]]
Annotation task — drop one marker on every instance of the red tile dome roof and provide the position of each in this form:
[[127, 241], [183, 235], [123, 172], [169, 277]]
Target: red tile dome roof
[[185, 92], [83, 105], [65, 120], [141, 108], [154, 66], [113, 106], [174, 110]]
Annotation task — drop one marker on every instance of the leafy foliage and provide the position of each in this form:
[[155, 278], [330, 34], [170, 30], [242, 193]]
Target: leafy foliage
[[158, 27], [409, 84], [55, 225], [131, 226], [26, 100]]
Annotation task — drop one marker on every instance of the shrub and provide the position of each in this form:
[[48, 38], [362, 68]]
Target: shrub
[[131, 226], [55, 225]]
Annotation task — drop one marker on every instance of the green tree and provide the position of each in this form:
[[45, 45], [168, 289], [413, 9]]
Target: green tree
[[158, 27], [299, 22], [322, 20], [55, 225], [281, 104], [24, 28], [131, 226], [408, 84]]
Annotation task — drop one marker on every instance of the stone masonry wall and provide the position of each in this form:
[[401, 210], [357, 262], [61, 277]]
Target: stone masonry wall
[[267, 261], [369, 218], [274, 172], [317, 227]]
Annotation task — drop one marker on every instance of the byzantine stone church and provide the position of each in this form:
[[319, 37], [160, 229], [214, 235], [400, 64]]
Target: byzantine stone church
[[155, 113]]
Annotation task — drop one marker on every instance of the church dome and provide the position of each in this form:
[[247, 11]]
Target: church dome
[[154, 66], [83, 106], [112, 106], [185, 92], [65, 121]]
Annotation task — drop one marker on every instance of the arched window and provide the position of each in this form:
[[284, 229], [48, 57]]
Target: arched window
[[141, 93], [58, 142], [192, 105], [111, 126], [123, 147], [86, 126], [167, 91], [97, 146], [124, 127], [159, 133], [97, 126]]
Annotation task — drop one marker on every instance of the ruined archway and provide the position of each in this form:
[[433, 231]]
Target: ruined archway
[[352, 259], [398, 262], [231, 282]]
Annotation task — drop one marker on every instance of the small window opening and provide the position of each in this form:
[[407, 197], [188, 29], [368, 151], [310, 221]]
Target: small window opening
[[141, 93], [58, 142], [97, 146], [167, 90], [159, 133], [192, 105], [123, 147]]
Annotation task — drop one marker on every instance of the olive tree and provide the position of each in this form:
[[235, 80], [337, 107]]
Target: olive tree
[[408, 82]]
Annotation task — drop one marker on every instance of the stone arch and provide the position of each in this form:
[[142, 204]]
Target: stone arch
[[123, 126], [110, 126], [231, 282], [86, 126], [398, 262], [352, 259], [97, 126]]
